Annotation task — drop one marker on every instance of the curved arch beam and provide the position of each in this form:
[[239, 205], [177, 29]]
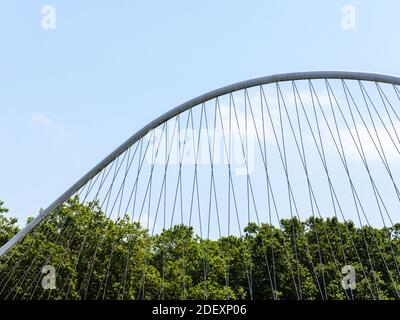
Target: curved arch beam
[[184, 107]]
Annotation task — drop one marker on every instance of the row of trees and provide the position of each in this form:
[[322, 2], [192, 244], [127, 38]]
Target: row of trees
[[99, 258]]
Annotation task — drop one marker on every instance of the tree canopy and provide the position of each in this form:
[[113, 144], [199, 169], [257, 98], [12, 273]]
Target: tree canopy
[[99, 258]]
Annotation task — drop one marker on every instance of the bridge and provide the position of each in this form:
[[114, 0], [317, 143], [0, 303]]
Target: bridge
[[279, 187]]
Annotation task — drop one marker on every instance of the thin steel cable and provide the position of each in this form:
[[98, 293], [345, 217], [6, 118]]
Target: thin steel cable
[[264, 98], [353, 191], [324, 161]]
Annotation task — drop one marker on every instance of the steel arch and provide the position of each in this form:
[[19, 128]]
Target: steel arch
[[310, 75]]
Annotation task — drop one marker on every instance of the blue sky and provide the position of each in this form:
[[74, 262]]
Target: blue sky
[[71, 95]]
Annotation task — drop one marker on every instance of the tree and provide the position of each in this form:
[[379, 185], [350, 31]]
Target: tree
[[8, 226], [96, 257]]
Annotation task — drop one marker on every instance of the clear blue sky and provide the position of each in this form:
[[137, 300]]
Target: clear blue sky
[[69, 96]]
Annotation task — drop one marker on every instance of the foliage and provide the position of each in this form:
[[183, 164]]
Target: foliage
[[99, 258], [8, 226]]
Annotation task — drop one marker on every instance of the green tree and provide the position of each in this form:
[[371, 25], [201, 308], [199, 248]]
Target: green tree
[[8, 226], [96, 257]]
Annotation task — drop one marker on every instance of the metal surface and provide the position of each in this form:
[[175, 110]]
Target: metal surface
[[184, 107]]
